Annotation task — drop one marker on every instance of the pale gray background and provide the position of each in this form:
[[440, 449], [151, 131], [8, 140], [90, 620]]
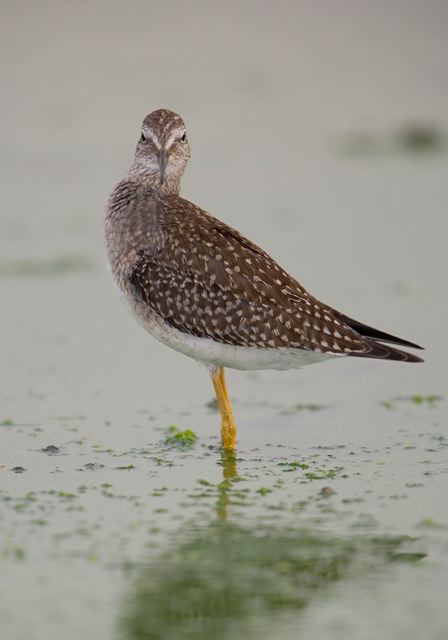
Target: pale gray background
[[263, 89], [266, 89]]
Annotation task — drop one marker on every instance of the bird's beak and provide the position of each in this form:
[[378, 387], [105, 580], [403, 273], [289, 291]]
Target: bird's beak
[[163, 159]]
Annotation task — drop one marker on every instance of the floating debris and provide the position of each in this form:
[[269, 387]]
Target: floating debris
[[51, 449], [326, 492], [92, 466]]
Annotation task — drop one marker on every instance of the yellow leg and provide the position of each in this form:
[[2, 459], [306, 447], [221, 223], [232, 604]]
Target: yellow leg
[[228, 427]]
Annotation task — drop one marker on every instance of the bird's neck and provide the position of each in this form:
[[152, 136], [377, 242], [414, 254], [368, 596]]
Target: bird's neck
[[138, 172]]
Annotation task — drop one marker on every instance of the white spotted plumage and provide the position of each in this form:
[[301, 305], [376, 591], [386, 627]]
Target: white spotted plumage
[[203, 289]]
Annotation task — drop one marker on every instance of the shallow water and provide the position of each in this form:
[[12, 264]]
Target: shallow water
[[332, 517]]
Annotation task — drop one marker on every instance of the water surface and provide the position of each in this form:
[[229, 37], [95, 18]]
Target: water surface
[[302, 123]]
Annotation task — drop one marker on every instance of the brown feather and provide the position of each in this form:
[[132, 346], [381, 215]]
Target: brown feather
[[207, 280]]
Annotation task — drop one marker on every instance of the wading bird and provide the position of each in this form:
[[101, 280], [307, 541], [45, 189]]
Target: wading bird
[[202, 288]]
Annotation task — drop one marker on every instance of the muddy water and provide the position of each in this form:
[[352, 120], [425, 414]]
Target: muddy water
[[332, 517]]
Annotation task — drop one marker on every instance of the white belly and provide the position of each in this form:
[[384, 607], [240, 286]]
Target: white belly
[[216, 354]]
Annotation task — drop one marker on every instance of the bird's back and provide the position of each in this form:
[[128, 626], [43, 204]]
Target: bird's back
[[204, 279]]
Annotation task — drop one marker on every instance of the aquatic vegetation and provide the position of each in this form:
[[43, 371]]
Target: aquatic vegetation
[[420, 399], [429, 523], [429, 400], [294, 464], [420, 137], [301, 406], [313, 470], [46, 267], [179, 438], [326, 474], [413, 138]]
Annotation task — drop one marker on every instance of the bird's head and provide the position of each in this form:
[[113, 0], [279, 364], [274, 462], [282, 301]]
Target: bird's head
[[163, 149]]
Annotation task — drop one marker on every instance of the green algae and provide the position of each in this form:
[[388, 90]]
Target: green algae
[[183, 439], [46, 267], [430, 400]]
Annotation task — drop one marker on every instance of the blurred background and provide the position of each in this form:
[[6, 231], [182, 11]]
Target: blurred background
[[319, 130], [301, 119]]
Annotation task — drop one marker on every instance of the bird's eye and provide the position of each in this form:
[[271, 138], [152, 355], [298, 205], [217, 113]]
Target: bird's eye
[[142, 137], [183, 137]]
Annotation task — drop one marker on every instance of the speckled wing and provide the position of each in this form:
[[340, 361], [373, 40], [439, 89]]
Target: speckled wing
[[207, 280]]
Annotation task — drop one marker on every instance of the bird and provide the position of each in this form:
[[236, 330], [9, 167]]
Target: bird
[[202, 288]]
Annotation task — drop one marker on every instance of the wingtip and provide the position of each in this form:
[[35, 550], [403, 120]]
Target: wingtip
[[412, 358], [380, 351], [375, 334]]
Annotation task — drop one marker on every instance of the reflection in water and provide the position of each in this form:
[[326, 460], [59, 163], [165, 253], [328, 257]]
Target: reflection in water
[[229, 472], [225, 579]]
